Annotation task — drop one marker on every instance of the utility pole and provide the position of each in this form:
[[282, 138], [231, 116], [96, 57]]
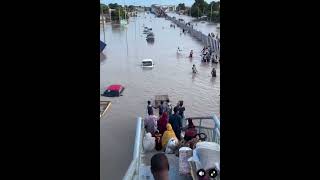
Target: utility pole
[[211, 12], [198, 11], [101, 12]]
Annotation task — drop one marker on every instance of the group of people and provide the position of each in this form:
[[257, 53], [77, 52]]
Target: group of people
[[159, 162], [211, 35], [169, 123], [194, 69], [213, 71], [172, 25], [168, 126], [207, 54], [206, 57]]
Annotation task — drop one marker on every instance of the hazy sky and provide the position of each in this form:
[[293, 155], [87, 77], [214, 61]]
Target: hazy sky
[[149, 2]]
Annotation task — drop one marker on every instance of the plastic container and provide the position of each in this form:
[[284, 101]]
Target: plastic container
[[184, 154]]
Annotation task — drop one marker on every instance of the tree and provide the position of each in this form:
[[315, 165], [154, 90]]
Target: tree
[[114, 5], [181, 6], [215, 16], [199, 8], [131, 8], [115, 14], [104, 8], [214, 11], [215, 6]]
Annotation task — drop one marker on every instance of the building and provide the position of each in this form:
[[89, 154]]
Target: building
[[140, 8], [161, 10], [172, 8]]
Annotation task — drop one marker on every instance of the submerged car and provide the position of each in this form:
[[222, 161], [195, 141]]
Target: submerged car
[[114, 90], [147, 63]]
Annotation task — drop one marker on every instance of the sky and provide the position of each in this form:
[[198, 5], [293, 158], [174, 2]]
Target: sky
[[149, 2]]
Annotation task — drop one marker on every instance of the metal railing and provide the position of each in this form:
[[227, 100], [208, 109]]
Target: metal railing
[[132, 173], [213, 134], [133, 170]]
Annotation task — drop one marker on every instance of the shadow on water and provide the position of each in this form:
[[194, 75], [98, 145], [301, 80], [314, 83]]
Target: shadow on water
[[193, 76], [205, 64], [146, 68], [150, 42], [213, 79], [179, 55], [116, 28]]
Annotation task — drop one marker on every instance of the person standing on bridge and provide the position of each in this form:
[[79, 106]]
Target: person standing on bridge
[[162, 122], [162, 108], [176, 121], [150, 124], [169, 107], [150, 108], [181, 109]]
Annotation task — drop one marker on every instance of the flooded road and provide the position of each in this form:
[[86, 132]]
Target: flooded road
[[202, 26], [172, 75]]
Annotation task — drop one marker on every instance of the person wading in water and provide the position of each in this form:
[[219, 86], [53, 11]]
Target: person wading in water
[[194, 69]]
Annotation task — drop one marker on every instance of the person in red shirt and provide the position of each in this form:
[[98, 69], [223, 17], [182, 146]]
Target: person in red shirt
[[191, 131]]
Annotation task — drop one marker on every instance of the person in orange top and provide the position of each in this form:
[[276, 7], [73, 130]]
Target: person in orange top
[[168, 134]]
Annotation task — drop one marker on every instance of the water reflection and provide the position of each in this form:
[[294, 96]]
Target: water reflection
[[213, 79], [204, 64], [146, 68], [193, 76], [150, 41]]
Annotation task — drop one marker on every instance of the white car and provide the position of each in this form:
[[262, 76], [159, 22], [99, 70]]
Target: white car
[[147, 63]]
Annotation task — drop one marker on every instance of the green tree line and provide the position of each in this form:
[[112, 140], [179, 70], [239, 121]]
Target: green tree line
[[202, 8], [119, 11]]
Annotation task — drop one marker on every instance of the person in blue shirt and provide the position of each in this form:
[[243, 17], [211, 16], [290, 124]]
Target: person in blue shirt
[[176, 122]]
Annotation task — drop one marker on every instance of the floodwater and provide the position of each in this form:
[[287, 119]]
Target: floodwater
[[172, 75], [203, 26]]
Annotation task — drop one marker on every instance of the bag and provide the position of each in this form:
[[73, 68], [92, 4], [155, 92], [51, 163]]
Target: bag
[[171, 146], [158, 141], [184, 154], [148, 142], [208, 155]]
